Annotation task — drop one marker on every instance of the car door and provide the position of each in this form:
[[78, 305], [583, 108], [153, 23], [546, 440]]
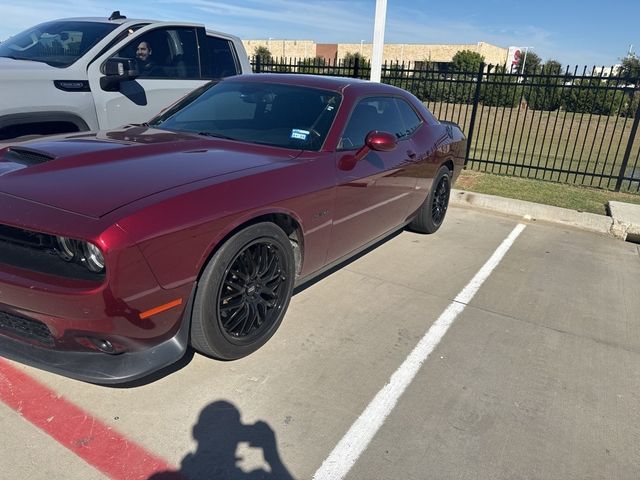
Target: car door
[[373, 197], [176, 71]]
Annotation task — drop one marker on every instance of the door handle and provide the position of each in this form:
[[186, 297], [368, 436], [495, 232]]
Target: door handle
[[411, 154]]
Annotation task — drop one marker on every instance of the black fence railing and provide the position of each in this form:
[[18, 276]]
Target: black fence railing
[[571, 126]]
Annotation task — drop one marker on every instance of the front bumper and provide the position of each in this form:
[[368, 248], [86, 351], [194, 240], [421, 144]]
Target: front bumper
[[103, 368]]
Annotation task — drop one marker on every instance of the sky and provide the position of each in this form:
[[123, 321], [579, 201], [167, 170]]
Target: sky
[[573, 32]]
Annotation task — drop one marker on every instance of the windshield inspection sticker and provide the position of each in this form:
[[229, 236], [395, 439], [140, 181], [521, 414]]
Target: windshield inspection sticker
[[299, 134]]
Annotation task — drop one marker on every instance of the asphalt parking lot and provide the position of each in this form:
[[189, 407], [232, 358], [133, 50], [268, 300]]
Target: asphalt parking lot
[[537, 377]]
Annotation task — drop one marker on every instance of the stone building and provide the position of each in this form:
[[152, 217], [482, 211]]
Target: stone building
[[393, 52]]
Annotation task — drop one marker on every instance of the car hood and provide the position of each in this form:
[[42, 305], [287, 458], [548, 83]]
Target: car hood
[[96, 173], [10, 68]]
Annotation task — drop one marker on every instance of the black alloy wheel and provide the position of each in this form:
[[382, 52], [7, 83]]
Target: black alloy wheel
[[243, 292], [253, 292], [431, 213], [440, 200]]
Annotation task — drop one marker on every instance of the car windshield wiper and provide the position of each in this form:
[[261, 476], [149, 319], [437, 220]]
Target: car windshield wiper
[[216, 135]]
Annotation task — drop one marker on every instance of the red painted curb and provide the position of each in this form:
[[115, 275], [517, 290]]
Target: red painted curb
[[95, 442]]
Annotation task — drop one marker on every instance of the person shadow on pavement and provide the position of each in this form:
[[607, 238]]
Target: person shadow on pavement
[[219, 432]]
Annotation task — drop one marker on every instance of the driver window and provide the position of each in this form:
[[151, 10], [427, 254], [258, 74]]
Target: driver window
[[376, 113], [165, 53]]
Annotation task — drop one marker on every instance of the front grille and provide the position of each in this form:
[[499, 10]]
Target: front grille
[[27, 157], [26, 328], [23, 237]]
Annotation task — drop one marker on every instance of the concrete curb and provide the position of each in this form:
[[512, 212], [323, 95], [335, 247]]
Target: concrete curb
[[564, 216], [626, 220]]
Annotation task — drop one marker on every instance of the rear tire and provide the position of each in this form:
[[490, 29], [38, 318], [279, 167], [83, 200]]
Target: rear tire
[[432, 212], [243, 293]]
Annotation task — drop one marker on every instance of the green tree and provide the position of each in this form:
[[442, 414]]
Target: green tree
[[461, 77], [269, 63], [631, 69], [531, 64], [500, 88], [425, 81], [546, 94], [466, 61], [591, 96], [553, 67], [349, 61], [349, 58], [263, 52]]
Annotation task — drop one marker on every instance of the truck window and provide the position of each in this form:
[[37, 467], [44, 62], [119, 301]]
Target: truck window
[[219, 58], [58, 44], [165, 53]]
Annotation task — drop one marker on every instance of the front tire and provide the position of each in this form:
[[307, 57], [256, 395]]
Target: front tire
[[432, 212], [243, 293]]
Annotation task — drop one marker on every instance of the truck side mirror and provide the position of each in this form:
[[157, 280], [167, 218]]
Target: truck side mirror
[[118, 70]]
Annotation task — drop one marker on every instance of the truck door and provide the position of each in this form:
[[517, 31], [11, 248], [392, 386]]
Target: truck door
[[169, 65]]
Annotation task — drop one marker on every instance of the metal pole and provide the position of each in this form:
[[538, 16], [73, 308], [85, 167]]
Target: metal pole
[[627, 153], [378, 40], [524, 60], [474, 112]]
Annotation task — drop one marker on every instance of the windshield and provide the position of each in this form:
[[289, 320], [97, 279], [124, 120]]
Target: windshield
[[58, 44], [264, 113]]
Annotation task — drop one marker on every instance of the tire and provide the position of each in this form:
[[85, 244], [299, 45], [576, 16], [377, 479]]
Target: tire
[[243, 293], [432, 212]]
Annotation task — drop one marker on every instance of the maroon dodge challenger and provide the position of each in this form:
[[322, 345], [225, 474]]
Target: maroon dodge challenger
[[118, 249]]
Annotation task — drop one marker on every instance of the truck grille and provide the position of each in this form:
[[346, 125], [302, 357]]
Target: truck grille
[[26, 328]]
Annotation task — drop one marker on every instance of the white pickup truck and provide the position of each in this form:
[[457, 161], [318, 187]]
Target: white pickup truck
[[81, 74]]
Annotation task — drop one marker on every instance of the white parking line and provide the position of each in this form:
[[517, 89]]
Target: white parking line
[[355, 441]]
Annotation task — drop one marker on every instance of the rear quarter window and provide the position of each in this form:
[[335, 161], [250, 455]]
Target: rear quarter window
[[410, 118], [219, 58]]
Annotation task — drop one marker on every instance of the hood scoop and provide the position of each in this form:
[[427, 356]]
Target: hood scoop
[[27, 157]]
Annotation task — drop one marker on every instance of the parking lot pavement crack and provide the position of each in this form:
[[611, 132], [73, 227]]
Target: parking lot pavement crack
[[600, 341]]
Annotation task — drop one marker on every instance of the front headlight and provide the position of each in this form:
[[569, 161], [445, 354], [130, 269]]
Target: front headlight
[[93, 258], [84, 252], [66, 248], [51, 254]]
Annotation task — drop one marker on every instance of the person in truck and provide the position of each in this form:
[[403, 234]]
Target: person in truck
[[146, 65]]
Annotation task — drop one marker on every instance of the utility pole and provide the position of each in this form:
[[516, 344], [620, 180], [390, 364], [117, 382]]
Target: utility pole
[[378, 40], [524, 60]]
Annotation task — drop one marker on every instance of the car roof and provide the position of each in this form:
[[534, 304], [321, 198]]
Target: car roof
[[339, 84]]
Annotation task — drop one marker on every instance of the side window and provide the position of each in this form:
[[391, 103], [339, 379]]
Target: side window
[[219, 59], [165, 53], [411, 119], [376, 113], [121, 36]]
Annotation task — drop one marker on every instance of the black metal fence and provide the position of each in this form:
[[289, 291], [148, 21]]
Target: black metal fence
[[564, 125]]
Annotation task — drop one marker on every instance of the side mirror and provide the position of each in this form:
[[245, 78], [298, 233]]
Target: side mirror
[[118, 70], [376, 141], [381, 141]]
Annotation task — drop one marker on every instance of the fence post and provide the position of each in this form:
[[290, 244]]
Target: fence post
[[258, 64], [474, 111], [627, 153], [356, 67]]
